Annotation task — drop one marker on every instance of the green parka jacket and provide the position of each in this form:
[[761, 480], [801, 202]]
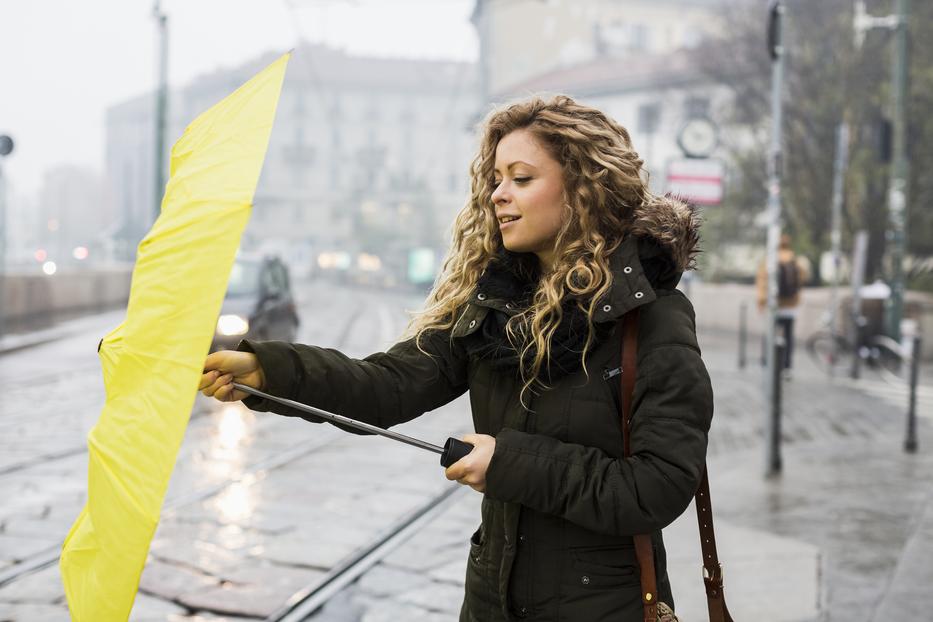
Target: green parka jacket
[[561, 504]]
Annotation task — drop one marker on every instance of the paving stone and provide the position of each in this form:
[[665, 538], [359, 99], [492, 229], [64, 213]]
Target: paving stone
[[257, 599], [33, 613], [170, 581], [391, 611], [385, 581], [265, 570], [42, 587], [435, 597], [207, 617], [205, 557], [14, 548], [147, 608], [453, 572], [422, 557]]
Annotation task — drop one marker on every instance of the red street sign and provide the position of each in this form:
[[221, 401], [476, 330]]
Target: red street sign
[[699, 180]]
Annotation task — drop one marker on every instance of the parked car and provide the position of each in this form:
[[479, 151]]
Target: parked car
[[258, 304]]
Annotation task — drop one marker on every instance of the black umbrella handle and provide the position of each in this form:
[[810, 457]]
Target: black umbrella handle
[[454, 450]]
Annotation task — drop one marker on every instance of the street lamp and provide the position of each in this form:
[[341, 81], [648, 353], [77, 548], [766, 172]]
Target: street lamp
[[161, 105], [776, 50], [6, 148], [900, 166]]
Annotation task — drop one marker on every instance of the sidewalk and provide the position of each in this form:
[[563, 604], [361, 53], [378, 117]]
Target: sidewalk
[[845, 533], [67, 328]]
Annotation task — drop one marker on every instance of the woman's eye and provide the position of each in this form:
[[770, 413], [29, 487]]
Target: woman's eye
[[518, 180]]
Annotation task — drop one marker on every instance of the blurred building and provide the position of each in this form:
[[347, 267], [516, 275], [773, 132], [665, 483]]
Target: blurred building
[[651, 95], [71, 213], [365, 152], [521, 39]]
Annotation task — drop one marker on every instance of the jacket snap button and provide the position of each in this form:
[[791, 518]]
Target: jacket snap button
[[521, 537], [638, 295], [585, 580], [523, 612], [627, 269], [508, 305], [481, 296], [472, 323], [607, 308]]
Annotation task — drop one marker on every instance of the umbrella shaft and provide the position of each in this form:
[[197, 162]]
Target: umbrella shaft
[[359, 425]]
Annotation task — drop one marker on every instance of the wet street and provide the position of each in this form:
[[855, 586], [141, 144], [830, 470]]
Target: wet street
[[263, 510]]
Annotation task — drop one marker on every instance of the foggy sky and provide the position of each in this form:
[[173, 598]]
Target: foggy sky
[[63, 62]]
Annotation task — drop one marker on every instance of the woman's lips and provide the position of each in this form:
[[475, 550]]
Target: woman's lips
[[505, 225]]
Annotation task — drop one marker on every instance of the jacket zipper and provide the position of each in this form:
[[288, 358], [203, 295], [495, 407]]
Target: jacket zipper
[[611, 373]]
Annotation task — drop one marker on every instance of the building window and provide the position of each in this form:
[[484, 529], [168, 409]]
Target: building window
[[649, 118], [695, 107]]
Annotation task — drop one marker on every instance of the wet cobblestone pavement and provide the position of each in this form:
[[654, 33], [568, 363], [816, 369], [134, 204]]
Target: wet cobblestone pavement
[[258, 507]]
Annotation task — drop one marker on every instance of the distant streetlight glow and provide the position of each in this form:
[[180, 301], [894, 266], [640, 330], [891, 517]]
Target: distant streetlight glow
[[80, 252], [368, 263], [49, 267], [41, 255]]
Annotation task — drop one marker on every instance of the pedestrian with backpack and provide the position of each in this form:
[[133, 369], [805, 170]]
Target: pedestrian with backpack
[[793, 272]]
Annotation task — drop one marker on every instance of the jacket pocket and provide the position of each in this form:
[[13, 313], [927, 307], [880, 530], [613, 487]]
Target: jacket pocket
[[476, 565], [598, 566], [481, 596]]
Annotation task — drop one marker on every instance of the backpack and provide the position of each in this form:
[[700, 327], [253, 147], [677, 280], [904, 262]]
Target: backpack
[[788, 279]]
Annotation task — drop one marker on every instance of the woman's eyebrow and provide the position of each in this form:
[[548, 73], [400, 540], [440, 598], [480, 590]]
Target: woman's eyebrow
[[509, 167]]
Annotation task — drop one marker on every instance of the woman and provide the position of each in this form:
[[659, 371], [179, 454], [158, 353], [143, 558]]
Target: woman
[[558, 241]]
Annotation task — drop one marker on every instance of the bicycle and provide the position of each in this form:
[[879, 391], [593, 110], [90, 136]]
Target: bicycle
[[835, 353]]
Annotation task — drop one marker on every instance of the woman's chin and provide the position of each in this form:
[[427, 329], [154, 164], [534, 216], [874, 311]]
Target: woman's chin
[[513, 244]]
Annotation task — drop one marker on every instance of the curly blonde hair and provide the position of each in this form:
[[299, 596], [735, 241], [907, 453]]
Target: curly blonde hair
[[603, 184]]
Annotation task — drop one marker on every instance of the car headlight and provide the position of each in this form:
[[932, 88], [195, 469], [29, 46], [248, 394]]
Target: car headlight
[[232, 325]]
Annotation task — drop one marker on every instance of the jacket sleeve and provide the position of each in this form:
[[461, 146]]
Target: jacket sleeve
[[383, 389], [673, 404]]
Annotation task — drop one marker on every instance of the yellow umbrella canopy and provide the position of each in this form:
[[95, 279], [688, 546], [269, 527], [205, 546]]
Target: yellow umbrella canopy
[[152, 362]]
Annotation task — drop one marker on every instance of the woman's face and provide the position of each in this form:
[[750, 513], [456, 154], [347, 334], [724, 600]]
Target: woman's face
[[528, 195]]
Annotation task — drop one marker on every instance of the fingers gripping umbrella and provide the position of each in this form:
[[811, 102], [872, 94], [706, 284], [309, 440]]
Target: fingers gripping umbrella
[[452, 450]]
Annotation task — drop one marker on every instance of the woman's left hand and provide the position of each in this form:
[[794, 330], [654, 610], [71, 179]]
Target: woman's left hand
[[471, 469]]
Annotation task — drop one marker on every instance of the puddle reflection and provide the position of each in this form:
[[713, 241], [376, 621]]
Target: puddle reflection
[[236, 421], [237, 502]]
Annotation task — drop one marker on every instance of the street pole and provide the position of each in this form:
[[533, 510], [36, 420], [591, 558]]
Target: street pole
[[857, 323], [161, 106], [776, 49], [3, 302], [900, 171], [6, 148], [839, 170], [900, 166]]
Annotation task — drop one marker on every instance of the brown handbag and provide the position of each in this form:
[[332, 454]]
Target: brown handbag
[[712, 569]]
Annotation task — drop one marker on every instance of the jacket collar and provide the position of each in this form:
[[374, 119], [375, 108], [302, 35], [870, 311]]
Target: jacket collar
[[504, 285]]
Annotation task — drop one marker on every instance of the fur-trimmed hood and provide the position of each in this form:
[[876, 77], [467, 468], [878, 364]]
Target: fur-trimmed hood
[[674, 225]]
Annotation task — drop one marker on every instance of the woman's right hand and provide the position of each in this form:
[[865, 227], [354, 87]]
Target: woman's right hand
[[223, 368]]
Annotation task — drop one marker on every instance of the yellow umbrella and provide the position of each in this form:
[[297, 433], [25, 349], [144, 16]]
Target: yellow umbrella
[[152, 362]]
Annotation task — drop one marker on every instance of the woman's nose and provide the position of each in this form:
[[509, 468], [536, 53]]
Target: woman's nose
[[499, 194]]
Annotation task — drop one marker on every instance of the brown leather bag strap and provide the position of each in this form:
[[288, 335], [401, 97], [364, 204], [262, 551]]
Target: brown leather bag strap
[[712, 570], [644, 551]]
